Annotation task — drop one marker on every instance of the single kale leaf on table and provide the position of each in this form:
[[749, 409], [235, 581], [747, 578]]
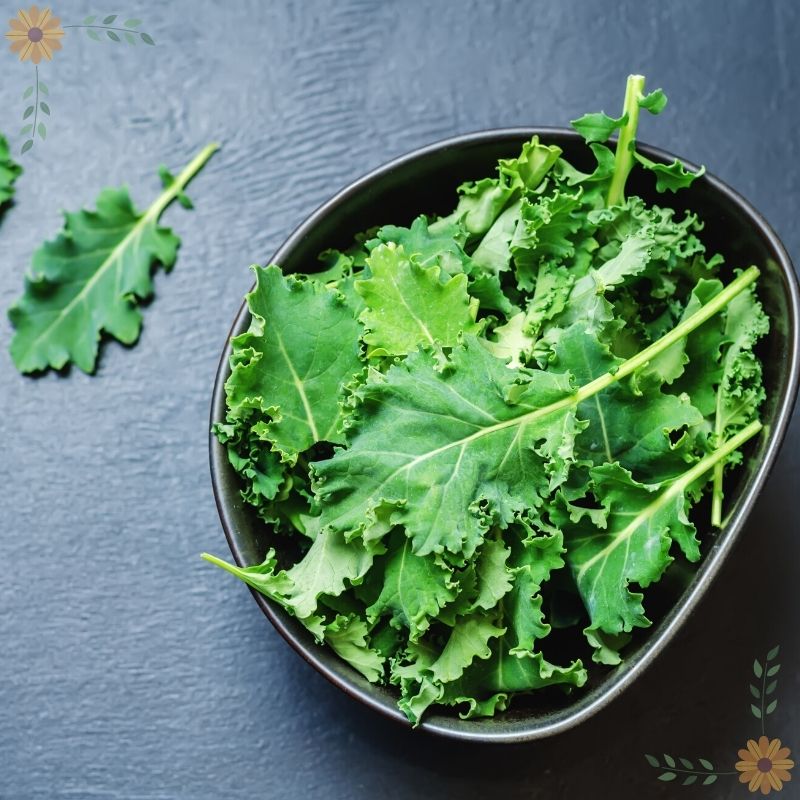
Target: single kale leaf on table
[[90, 279], [459, 423]]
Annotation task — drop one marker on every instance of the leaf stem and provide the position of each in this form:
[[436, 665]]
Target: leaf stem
[[681, 330], [705, 464], [697, 772], [105, 28], [182, 181], [35, 106], [763, 690], [623, 157]]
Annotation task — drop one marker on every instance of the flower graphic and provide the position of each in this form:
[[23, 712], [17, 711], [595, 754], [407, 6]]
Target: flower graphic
[[764, 765], [35, 34]]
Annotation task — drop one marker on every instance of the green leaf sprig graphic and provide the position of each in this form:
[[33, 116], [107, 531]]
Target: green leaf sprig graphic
[[765, 687], [762, 691], [91, 277], [128, 30], [686, 771], [34, 94]]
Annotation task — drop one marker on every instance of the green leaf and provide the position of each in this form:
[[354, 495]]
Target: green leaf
[[43, 88], [669, 760], [327, 568], [587, 302], [26, 146], [347, 636], [89, 20], [773, 653], [130, 38], [113, 36], [146, 38], [689, 780], [468, 640], [755, 691], [545, 230], [407, 305], [597, 127], [773, 670], [42, 130], [414, 589], [9, 171], [27, 113], [709, 780], [481, 203], [28, 93], [45, 108], [632, 426], [633, 546], [758, 670], [667, 776], [93, 34], [705, 763], [670, 177], [654, 102], [109, 19], [771, 687], [531, 566], [511, 343], [440, 245], [686, 763], [493, 253], [771, 707], [504, 673], [493, 577], [132, 23], [652, 760], [756, 711], [437, 440], [528, 170], [26, 129], [89, 279], [288, 372]]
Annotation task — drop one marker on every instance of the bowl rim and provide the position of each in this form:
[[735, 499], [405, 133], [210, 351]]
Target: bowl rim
[[538, 727]]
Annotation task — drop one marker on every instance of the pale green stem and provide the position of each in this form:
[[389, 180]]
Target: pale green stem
[[712, 459], [717, 496], [623, 158], [181, 182], [713, 306]]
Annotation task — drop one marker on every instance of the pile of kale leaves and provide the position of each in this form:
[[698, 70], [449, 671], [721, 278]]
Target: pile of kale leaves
[[532, 391]]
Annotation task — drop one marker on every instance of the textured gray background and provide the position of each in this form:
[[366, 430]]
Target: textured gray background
[[131, 669]]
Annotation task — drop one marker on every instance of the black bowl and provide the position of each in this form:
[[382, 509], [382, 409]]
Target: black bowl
[[425, 181]]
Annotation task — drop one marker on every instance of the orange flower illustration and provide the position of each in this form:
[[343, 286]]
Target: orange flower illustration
[[35, 34], [764, 765]]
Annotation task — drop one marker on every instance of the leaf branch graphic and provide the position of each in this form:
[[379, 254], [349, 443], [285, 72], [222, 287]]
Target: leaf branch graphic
[[687, 768], [129, 28], [32, 128], [760, 693]]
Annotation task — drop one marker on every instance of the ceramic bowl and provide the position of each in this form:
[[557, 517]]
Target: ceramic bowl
[[425, 181]]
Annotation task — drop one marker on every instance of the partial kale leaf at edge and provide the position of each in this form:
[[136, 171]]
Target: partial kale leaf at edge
[[9, 172]]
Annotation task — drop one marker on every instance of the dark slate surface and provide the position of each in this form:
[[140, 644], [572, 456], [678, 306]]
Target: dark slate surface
[[131, 669]]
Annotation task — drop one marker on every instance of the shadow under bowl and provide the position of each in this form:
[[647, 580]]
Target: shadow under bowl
[[425, 181]]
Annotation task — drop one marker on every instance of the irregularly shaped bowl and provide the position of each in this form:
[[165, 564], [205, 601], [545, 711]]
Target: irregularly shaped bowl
[[425, 181]]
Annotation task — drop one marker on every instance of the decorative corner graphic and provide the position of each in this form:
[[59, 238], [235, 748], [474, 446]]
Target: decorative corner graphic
[[36, 35], [764, 765]]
